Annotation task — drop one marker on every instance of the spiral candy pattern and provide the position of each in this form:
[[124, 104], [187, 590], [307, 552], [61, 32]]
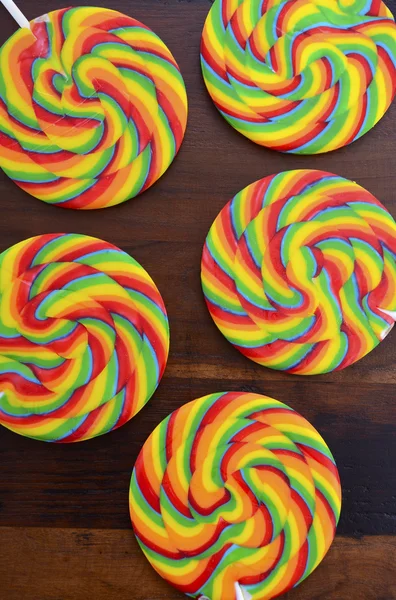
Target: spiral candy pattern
[[235, 496], [300, 76], [84, 337], [93, 108], [299, 272]]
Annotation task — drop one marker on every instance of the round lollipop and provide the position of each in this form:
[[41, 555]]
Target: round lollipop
[[84, 337], [93, 108], [301, 76], [299, 272], [235, 496]]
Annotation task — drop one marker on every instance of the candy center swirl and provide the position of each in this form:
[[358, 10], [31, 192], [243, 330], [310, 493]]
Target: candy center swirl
[[241, 493]]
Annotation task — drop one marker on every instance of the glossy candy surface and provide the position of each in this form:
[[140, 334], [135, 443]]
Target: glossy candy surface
[[235, 496], [300, 76], [84, 337], [93, 108], [299, 272]]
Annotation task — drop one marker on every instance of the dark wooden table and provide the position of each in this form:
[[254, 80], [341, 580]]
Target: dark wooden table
[[64, 526]]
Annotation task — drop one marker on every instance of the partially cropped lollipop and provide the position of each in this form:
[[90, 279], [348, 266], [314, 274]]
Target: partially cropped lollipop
[[299, 272], [93, 107], [235, 496], [84, 337], [301, 76]]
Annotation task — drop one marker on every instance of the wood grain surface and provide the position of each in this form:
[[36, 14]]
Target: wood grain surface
[[64, 526]]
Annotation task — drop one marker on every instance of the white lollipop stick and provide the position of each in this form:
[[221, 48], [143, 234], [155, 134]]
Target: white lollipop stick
[[241, 593], [16, 13]]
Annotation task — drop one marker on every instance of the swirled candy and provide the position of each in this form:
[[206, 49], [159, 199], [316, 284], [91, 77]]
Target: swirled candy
[[300, 76], [235, 496], [299, 272], [84, 337], [93, 108]]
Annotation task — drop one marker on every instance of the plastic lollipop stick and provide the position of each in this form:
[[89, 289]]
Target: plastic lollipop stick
[[241, 593], [16, 13]]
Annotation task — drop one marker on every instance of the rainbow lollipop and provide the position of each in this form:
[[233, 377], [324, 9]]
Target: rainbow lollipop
[[302, 76], [84, 337], [235, 496], [93, 108], [299, 272]]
